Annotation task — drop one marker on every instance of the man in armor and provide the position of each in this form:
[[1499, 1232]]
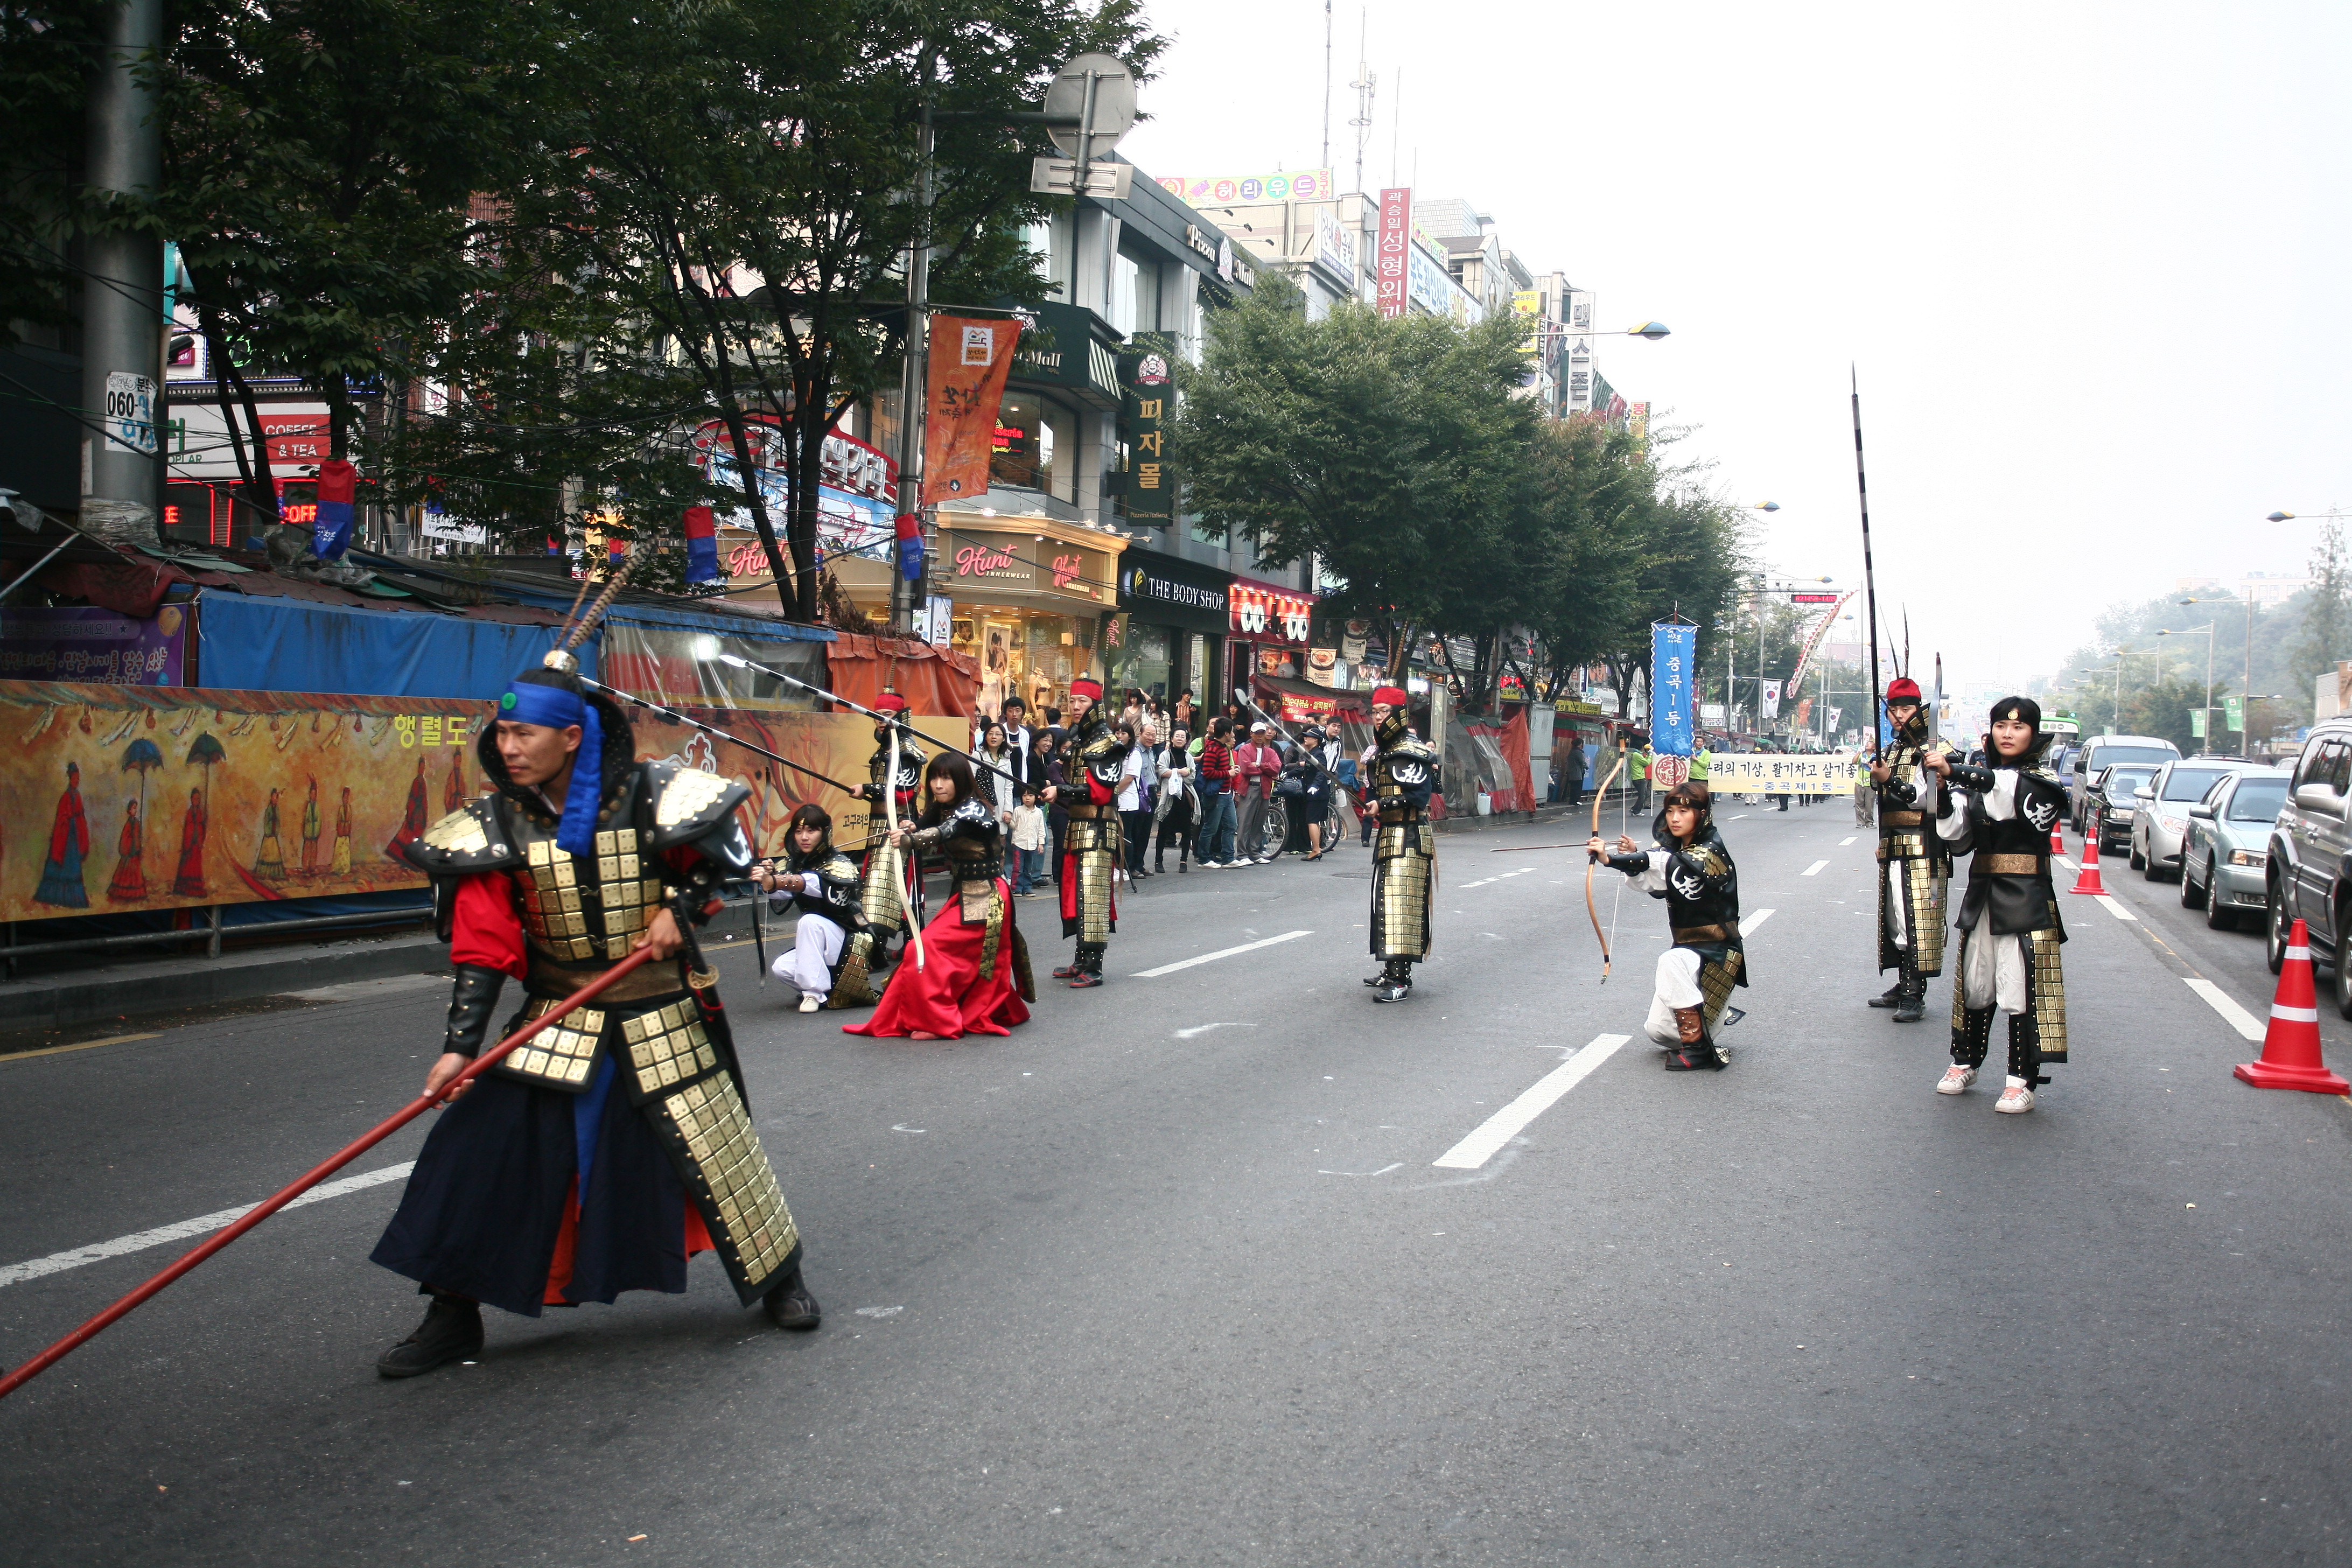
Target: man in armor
[[1913, 868], [889, 877], [1091, 850], [1404, 845], [599, 1156], [1691, 870], [2001, 804]]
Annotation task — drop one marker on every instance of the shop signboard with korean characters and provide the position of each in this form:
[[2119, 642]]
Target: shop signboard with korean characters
[[1148, 391], [989, 563]]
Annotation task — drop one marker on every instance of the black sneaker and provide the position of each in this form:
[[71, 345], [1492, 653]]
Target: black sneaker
[[452, 1330], [1893, 998], [1696, 1058], [789, 1305], [1085, 981]]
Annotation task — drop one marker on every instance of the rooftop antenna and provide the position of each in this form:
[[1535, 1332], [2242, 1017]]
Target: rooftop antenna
[[1326, 83], [1363, 85], [1396, 125]]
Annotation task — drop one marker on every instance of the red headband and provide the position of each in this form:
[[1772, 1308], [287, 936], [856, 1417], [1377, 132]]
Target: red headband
[[889, 702], [1392, 695], [1082, 687]]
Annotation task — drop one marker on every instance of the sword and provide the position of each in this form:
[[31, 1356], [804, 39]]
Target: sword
[[369, 1139]]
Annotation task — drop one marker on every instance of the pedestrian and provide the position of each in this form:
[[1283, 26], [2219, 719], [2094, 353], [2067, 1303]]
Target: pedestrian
[[1018, 741], [1914, 871], [2000, 810], [1306, 786], [1256, 765], [1368, 811], [1637, 771], [888, 886], [1177, 810], [1866, 797], [827, 960], [1048, 774], [970, 976], [616, 1146], [1691, 868], [1090, 853], [1214, 783], [1030, 838], [1136, 773], [1404, 851], [993, 779]]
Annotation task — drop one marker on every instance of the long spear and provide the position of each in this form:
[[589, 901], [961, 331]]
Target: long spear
[[834, 697], [715, 732], [1869, 579], [271, 1205]]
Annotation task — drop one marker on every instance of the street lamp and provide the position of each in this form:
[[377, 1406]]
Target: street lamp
[[2291, 517], [2205, 631], [1764, 506], [2247, 735]]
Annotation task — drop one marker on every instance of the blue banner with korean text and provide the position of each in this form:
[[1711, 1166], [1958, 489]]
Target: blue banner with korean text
[[1674, 666]]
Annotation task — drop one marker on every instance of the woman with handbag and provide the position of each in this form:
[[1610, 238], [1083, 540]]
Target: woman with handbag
[[1177, 810], [1305, 791]]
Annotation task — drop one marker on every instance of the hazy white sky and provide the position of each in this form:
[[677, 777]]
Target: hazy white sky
[[2089, 259]]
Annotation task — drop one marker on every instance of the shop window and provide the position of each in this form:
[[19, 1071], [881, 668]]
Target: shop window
[[1036, 446]]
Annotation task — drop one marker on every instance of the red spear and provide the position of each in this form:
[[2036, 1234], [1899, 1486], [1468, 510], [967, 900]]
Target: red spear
[[263, 1210]]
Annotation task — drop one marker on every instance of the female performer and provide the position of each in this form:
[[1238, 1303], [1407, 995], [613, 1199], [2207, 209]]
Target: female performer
[[971, 973], [2009, 930], [828, 962], [1691, 868]]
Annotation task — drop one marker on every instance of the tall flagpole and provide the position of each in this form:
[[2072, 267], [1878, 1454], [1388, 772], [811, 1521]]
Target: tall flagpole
[[1869, 579]]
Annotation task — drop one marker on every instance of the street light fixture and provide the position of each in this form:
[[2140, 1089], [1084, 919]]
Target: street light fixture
[[2205, 631], [2248, 676], [2291, 517]]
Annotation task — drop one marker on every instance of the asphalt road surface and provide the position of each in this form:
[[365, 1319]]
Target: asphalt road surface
[[1174, 1275]]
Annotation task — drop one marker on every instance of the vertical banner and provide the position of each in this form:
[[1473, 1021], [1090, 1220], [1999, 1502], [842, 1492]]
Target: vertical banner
[[1673, 652], [1771, 704], [1151, 481], [331, 532], [1391, 267], [969, 360], [701, 545]]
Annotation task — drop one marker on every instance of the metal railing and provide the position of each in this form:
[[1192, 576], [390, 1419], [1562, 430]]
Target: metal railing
[[210, 932]]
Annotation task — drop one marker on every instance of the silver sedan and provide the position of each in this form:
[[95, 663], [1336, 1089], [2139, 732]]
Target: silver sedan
[[2160, 827], [2229, 842]]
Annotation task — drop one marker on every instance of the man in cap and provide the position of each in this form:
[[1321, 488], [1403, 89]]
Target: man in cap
[[1404, 844], [1255, 763], [1914, 868]]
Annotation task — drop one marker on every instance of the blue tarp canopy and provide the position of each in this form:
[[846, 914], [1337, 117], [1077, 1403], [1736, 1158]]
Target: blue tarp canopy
[[254, 644]]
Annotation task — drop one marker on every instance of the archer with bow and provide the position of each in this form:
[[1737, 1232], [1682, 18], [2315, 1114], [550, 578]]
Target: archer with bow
[[1691, 868]]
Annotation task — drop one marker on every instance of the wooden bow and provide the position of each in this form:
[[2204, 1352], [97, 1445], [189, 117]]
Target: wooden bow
[[890, 810], [1592, 863]]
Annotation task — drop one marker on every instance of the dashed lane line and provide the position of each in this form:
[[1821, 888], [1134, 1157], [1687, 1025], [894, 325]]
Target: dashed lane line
[[1747, 927], [1848, 839], [1221, 952], [2221, 1002], [1504, 877], [2116, 908], [138, 1241], [1508, 1122], [1814, 869]]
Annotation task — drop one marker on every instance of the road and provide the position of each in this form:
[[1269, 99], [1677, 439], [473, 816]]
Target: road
[[1172, 1276]]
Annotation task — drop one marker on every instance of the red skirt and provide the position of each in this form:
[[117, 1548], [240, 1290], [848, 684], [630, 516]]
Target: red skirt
[[946, 996]]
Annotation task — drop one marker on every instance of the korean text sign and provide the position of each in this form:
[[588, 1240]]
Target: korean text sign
[[1674, 666]]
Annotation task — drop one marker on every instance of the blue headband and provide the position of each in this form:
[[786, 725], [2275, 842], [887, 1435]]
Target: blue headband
[[528, 702]]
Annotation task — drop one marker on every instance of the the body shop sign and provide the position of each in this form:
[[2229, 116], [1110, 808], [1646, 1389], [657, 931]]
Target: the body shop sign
[[1024, 565]]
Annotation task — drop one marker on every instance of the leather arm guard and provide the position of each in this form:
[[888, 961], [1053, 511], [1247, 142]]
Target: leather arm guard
[[471, 1002], [1971, 777]]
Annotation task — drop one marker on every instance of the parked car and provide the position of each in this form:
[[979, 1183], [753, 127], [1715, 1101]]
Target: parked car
[[2229, 842], [2160, 826], [2103, 751], [2308, 871], [2111, 803]]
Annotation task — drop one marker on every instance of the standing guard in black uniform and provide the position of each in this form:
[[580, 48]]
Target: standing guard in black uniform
[[1913, 871], [1095, 845], [2001, 804], [1404, 845], [1691, 870]]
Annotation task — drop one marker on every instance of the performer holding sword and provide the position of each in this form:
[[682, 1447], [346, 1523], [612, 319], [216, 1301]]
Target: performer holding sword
[[618, 1144]]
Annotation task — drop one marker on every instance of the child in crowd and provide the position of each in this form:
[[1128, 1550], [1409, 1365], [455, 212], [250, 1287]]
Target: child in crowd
[[1029, 840]]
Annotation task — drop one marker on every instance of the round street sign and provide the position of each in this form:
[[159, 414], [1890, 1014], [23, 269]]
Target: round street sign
[[1114, 103]]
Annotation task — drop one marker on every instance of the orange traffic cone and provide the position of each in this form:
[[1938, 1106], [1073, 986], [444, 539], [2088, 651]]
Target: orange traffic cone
[[2057, 840], [2088, 882], [2291, 1046]]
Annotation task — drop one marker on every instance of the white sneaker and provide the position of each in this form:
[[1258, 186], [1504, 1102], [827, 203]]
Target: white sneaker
[[1957, 1079], [2016, 1098], [811, 1003]]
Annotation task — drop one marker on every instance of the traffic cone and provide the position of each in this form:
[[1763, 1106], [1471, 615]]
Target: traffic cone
[[2088, 882], [2291, 1046], [2057, 839]]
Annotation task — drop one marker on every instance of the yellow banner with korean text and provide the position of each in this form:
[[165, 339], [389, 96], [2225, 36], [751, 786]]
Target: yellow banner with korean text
[[1775, 773]]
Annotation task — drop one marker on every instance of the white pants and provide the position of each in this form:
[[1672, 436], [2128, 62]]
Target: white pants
[[1899, 903], [1992, 969], [1677, 987], [816, 946]]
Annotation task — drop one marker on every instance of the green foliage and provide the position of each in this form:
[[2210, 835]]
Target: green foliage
[[44, 51], [2327, 616]]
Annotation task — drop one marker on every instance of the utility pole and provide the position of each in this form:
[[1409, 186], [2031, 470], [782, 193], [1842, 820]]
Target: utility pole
[[122, 293], [915, 386], [1363, 85], [1326, 84]]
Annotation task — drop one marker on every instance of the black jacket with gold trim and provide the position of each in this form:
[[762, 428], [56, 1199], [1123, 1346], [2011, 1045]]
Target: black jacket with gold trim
[[1700, 885], [2008, 865]]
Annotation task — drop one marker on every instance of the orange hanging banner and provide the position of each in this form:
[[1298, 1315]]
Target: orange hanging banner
[[969, 360]]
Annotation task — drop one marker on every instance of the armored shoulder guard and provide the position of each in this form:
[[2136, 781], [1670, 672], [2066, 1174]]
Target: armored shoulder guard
[[836, 870], [1412, 746], [688, 804], [474, 837]]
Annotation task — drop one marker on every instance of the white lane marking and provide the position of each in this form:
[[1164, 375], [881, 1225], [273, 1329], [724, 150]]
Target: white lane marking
[[1384, 1171], [1506, 1124], [1737, 816], [2116, 908], [1198, 1029], [1848, 839], [1221, 952], [1522, 871], [1814, 869], [361, 990], [2064, 861], [902, 1127], [2237, 1018], [1747, 927], [202, 1225]]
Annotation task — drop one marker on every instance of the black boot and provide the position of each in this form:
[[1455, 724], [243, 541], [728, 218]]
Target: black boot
[[452, 1330], [789, 1305], [1694, 1051], [1912, 1005], [1892, 997], [1396, 981], [1085, 970]]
